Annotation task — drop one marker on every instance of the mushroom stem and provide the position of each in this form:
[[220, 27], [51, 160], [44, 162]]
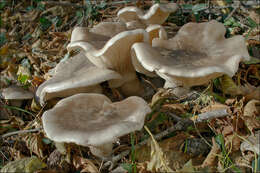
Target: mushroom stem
[[178, 89], [132, 88], [102, 151]]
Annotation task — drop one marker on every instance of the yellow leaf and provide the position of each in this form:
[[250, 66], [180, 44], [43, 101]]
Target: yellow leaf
[[4, 50]]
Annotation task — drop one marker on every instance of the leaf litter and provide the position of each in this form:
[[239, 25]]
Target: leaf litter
[[33, 39]]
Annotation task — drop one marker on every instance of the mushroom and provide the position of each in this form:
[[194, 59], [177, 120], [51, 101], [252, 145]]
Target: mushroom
[[72, 76], [83, 37], [191, 58], [92, 120], [15, 95], [157, 14], [115, 55]]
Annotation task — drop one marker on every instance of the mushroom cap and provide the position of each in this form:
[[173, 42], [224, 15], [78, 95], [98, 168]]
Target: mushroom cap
[[82, 38], [192, 57], [96, 37], [108, 29], [92, 119], [72, 76], [115, 55], [16, 93], [156, 31], [157, 14]]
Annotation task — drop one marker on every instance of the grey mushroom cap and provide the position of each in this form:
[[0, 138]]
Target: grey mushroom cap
[[16, 93], [191, 57], [73, 76], [89, 119], [157, 14], [96, 37]]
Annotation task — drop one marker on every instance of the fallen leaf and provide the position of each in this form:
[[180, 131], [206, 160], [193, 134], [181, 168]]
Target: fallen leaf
[[85, 165], [251, 115], [188, 167], [252, 143], [34, 143], [28, 165], [229, 87], [211, 158], [213, 107], [158, 161]]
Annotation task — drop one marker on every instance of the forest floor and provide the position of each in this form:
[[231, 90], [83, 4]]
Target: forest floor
[[33, 39]]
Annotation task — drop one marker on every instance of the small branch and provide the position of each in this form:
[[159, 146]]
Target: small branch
[[20, 132], [182, 125], [211, 115]]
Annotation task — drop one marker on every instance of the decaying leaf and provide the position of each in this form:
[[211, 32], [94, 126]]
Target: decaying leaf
[[28, 165], [34, 143], [176, 108], [251, 115], [211, 158], [252, 143], [85, 165], [228, 86], [213, 107], [188, 167], [157, 162]]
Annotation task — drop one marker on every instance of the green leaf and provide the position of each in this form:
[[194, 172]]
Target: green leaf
[[232, 22], [2, 39], [2, 4], [187, 6], [199, 7], [46, 141], [29, 8], [57, 21], [45, 23], [40, 7], [220, 141], [23, 79], [27, 37], [251, 22], [253, 60], [127, 167]]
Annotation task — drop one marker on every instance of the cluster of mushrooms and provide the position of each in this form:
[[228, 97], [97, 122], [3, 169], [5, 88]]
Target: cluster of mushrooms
[[115, 52]]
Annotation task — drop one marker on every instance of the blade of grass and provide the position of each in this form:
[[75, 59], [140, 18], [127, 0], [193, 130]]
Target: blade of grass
[[18, 109]]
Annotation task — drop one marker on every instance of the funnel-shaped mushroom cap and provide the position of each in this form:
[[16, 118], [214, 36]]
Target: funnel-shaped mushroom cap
[[156, 31], [157, 14], [108, 29], [73, 76], [96, 37], [82, 38], [115, 54], [191, 57], [16, 93], [93, 120]]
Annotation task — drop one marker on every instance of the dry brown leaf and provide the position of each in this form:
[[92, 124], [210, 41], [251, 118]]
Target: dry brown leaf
[[158, 161], [251, 115], [176, 108], [213, 107], [252, 143], [34, 143], [85, 165], [211, 158], [251, 92]]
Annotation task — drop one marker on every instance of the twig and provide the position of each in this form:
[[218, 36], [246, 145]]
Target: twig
[[211, 115], [20, 132], [182, 125]]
